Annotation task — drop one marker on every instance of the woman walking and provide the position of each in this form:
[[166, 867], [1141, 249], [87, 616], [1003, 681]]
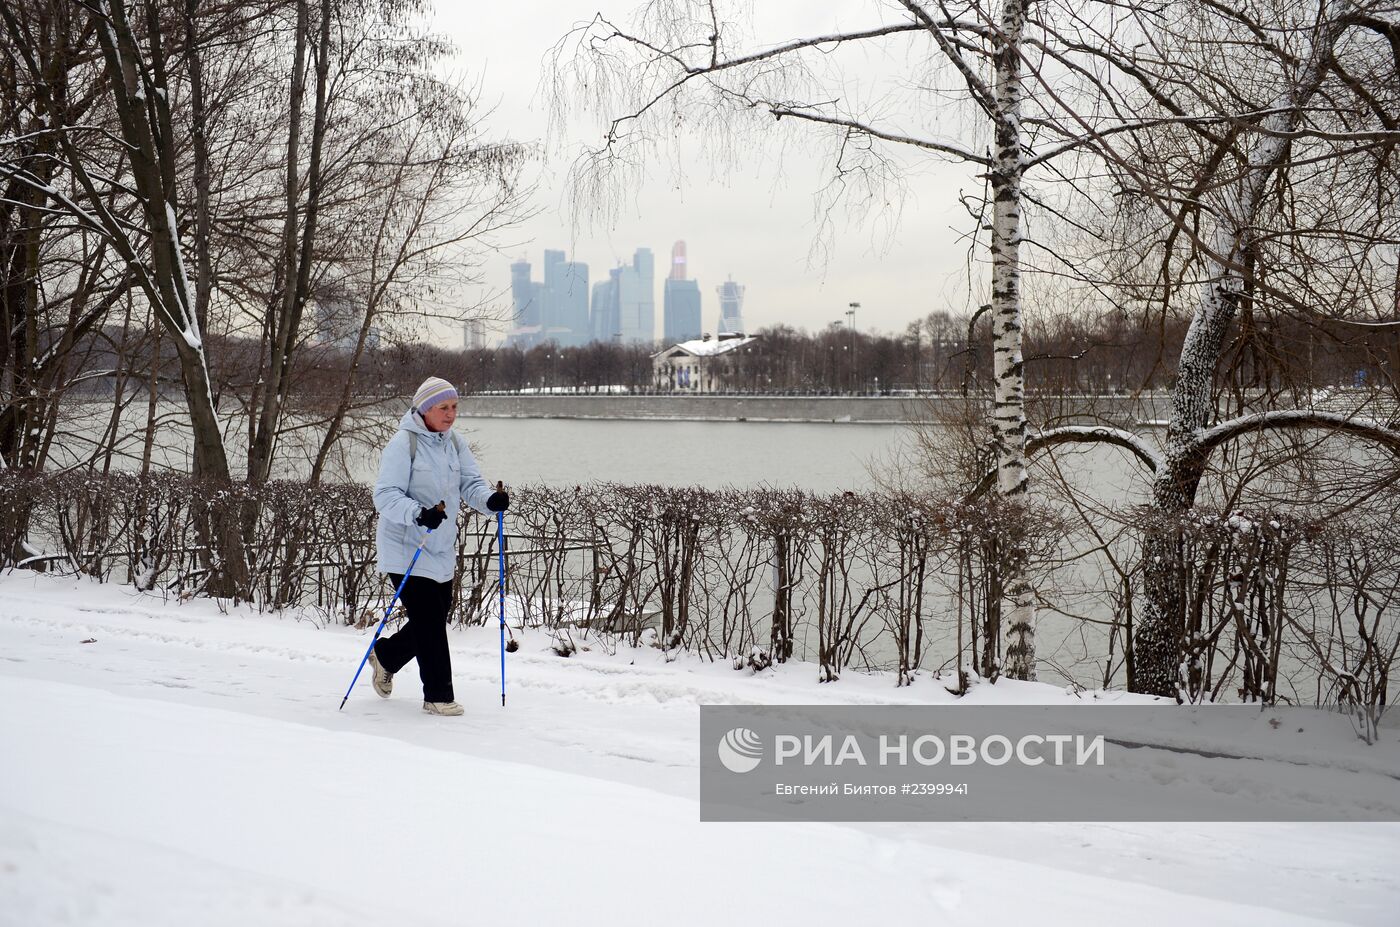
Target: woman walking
[[425, 473]]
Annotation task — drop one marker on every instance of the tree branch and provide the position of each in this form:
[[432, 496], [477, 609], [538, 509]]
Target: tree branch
[[1096, 434], [977, 87], [779, 110], [1081, 434], [1369, 429]]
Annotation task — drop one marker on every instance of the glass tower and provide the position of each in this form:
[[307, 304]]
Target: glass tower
[[731, 308]]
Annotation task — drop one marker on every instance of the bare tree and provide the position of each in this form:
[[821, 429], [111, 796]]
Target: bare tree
[[163, 150], [137, 82], [1268, 187], [59, 280], [293, 268]]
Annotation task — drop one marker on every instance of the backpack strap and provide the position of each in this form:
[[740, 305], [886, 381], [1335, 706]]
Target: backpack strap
[[413, 446], [457, 442]]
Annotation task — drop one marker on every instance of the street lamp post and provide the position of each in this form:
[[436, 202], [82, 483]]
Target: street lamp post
[[918, 359], [855, 360]]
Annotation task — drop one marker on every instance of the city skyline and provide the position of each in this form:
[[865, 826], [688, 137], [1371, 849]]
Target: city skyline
[[564, 309], [753, 215]]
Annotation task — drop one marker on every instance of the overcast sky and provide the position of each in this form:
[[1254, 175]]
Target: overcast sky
[[752, 216]]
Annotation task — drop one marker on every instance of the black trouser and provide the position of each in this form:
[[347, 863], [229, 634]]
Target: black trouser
[[423, 636]]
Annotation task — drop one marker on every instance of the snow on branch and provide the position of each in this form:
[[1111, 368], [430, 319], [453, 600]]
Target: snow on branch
[[12, 171], [1096, 434], [1080, 434], [1366, 428]]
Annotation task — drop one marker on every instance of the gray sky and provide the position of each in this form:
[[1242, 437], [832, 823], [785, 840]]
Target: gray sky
[[751, 217]]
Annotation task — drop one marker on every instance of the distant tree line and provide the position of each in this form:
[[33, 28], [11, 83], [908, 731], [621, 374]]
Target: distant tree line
[[944, 352]]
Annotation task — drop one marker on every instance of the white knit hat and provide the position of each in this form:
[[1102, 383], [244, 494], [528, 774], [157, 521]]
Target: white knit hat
[[433, 391]]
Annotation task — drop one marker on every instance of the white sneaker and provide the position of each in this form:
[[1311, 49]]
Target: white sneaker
[[442, 708], [382, 678]]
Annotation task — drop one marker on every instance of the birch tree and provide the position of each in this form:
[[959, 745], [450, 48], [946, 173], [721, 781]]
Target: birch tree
[[1271, 181], [684, 64]]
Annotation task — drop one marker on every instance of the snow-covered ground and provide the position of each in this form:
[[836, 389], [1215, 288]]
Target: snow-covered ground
[[169, 763]]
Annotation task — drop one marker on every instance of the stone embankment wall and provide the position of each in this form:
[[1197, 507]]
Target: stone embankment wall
[[855, 409]]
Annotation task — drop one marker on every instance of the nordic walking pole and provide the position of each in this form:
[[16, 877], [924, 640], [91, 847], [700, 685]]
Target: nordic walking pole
[[387, 612], [501, 554]]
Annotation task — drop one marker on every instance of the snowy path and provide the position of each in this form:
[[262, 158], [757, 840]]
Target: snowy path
[[189, 767]]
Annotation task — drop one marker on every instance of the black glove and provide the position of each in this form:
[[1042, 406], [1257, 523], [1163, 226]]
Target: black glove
[[431, 518], [499, 501]]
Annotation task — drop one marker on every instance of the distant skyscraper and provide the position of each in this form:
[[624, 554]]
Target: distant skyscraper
[[731, 308], [607, 323], [636, 297], [571, 304], [625, 307], [549, 302], [474, 334], [525, 307], [553, 310], [677, 262], [680, 301], [682, 310], [536, 304]]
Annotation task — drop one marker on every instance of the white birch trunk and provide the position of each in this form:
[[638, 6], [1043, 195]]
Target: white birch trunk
[[1009, 410]]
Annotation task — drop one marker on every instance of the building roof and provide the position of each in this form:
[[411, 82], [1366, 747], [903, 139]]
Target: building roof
[[701, 347]]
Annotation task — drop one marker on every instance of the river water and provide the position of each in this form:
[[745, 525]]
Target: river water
[[822, 457], [714, 455]]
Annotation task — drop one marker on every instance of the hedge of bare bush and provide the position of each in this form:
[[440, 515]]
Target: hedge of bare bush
[[755, 577], [313, 543], [1275, 608], [1283, 608]]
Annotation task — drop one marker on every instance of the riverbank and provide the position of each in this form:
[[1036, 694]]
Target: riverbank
[[863, 410]]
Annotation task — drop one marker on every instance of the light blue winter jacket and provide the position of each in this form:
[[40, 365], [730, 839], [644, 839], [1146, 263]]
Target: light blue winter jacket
[[443, 470]]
